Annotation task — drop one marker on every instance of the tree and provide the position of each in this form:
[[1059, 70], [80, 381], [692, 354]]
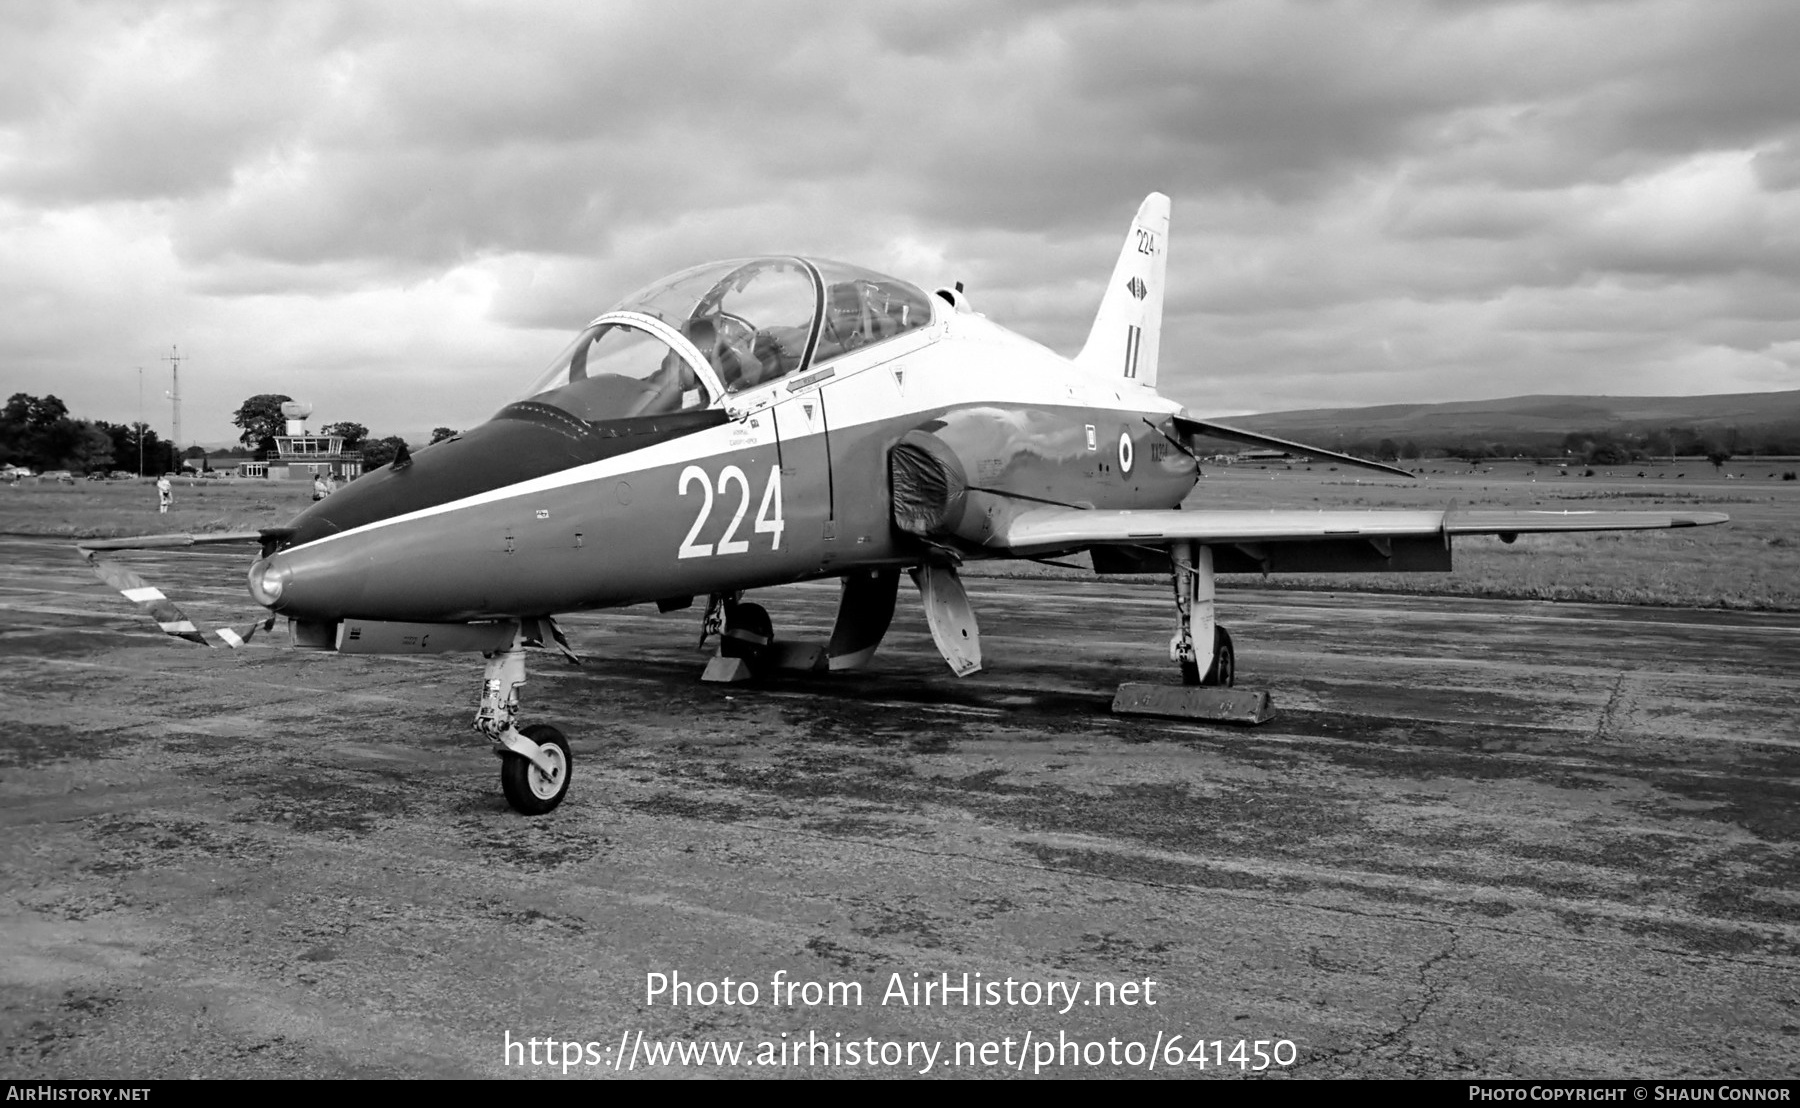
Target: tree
[[353, 434], [439, 434], [15, 430], [1410, 451], [24, 408], [119, 437], [1607, 454], [379, 452], [92, 449], [124, 441], [1718, 458], [38, 432], [144, 447], [261, 420], [1388, 451]]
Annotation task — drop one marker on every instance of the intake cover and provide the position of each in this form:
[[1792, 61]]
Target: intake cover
[[930, 485]]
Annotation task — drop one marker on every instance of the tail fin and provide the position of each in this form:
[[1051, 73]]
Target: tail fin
[[1127, 333]]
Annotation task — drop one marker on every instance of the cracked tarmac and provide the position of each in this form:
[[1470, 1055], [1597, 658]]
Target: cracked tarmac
[[1481, 838]]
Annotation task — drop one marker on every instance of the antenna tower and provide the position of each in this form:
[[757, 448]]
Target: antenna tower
[[174, 360]]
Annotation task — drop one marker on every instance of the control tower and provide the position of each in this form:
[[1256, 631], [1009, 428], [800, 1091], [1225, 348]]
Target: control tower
[[300, 456]]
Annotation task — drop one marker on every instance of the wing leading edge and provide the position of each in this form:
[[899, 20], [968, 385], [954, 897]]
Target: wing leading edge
[[1199, 428], [1043, 530]]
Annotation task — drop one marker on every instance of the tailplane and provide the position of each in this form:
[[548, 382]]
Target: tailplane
[[1127, 333]]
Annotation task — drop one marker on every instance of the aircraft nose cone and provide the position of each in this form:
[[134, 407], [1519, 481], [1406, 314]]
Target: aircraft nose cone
[[310, 583], [269, 580]]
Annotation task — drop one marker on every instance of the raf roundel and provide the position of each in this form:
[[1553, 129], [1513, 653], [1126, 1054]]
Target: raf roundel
[[1126, 454]]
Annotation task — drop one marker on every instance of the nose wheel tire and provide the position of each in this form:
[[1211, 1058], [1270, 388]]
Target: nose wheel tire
[[748, 632], [528, 789]]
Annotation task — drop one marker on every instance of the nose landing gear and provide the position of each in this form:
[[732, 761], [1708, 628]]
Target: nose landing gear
[[535, 762], [529, 788]]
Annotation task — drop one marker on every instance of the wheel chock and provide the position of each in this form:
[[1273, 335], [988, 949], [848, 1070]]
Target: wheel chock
[[721, 670], [1250, 706], [804, 657]]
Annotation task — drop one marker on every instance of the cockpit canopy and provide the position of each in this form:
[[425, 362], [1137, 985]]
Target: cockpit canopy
[[690, 339]]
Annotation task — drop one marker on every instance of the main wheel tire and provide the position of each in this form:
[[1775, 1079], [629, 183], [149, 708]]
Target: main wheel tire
[[527, 788], [1223, 671], [748, 631]]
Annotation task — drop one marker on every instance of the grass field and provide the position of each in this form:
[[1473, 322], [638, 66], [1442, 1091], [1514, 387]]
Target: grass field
[[112, 509], [1752, 563]]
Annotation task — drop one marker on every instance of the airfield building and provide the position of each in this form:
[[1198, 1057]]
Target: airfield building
[[300, 456]]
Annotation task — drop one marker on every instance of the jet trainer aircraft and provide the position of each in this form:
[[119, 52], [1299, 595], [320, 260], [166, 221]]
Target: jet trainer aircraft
[[766, 420]]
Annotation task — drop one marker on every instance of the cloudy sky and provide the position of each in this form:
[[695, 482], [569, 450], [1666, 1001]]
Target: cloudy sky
[[400, 210]]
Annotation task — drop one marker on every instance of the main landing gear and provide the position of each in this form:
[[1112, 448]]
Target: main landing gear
[[1194, 612], [1203, 694], [535, 762], [748, 645]]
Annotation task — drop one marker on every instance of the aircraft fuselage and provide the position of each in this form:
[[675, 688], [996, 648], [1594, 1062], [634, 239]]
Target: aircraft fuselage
[[790, 482]]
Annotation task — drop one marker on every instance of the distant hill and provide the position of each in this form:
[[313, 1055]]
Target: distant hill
[[1763, 422]]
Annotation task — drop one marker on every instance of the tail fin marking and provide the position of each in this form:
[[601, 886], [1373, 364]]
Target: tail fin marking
[[1127, 332]]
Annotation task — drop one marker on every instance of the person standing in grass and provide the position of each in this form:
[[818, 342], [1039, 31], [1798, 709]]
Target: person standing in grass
[[320, 488], [165, 494]]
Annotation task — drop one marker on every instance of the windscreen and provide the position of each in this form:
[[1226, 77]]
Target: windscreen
[[750, 318], [614, 371]]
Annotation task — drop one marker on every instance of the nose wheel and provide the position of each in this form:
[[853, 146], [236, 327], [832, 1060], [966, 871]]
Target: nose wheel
[[535, 763], [530, 788], [747, 633]]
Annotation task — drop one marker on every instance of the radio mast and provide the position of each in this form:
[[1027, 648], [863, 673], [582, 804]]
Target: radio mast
[[174, 360]]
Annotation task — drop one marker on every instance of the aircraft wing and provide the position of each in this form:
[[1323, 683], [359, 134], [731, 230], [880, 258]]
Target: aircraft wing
[[1041, 530]]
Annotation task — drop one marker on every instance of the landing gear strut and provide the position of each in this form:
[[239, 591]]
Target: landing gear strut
[[1195, 621], [535, 762], [1202, 694]]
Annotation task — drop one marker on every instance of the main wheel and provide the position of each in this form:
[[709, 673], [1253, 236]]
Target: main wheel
[[748, 631], [1223, 671], [528, 789]]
